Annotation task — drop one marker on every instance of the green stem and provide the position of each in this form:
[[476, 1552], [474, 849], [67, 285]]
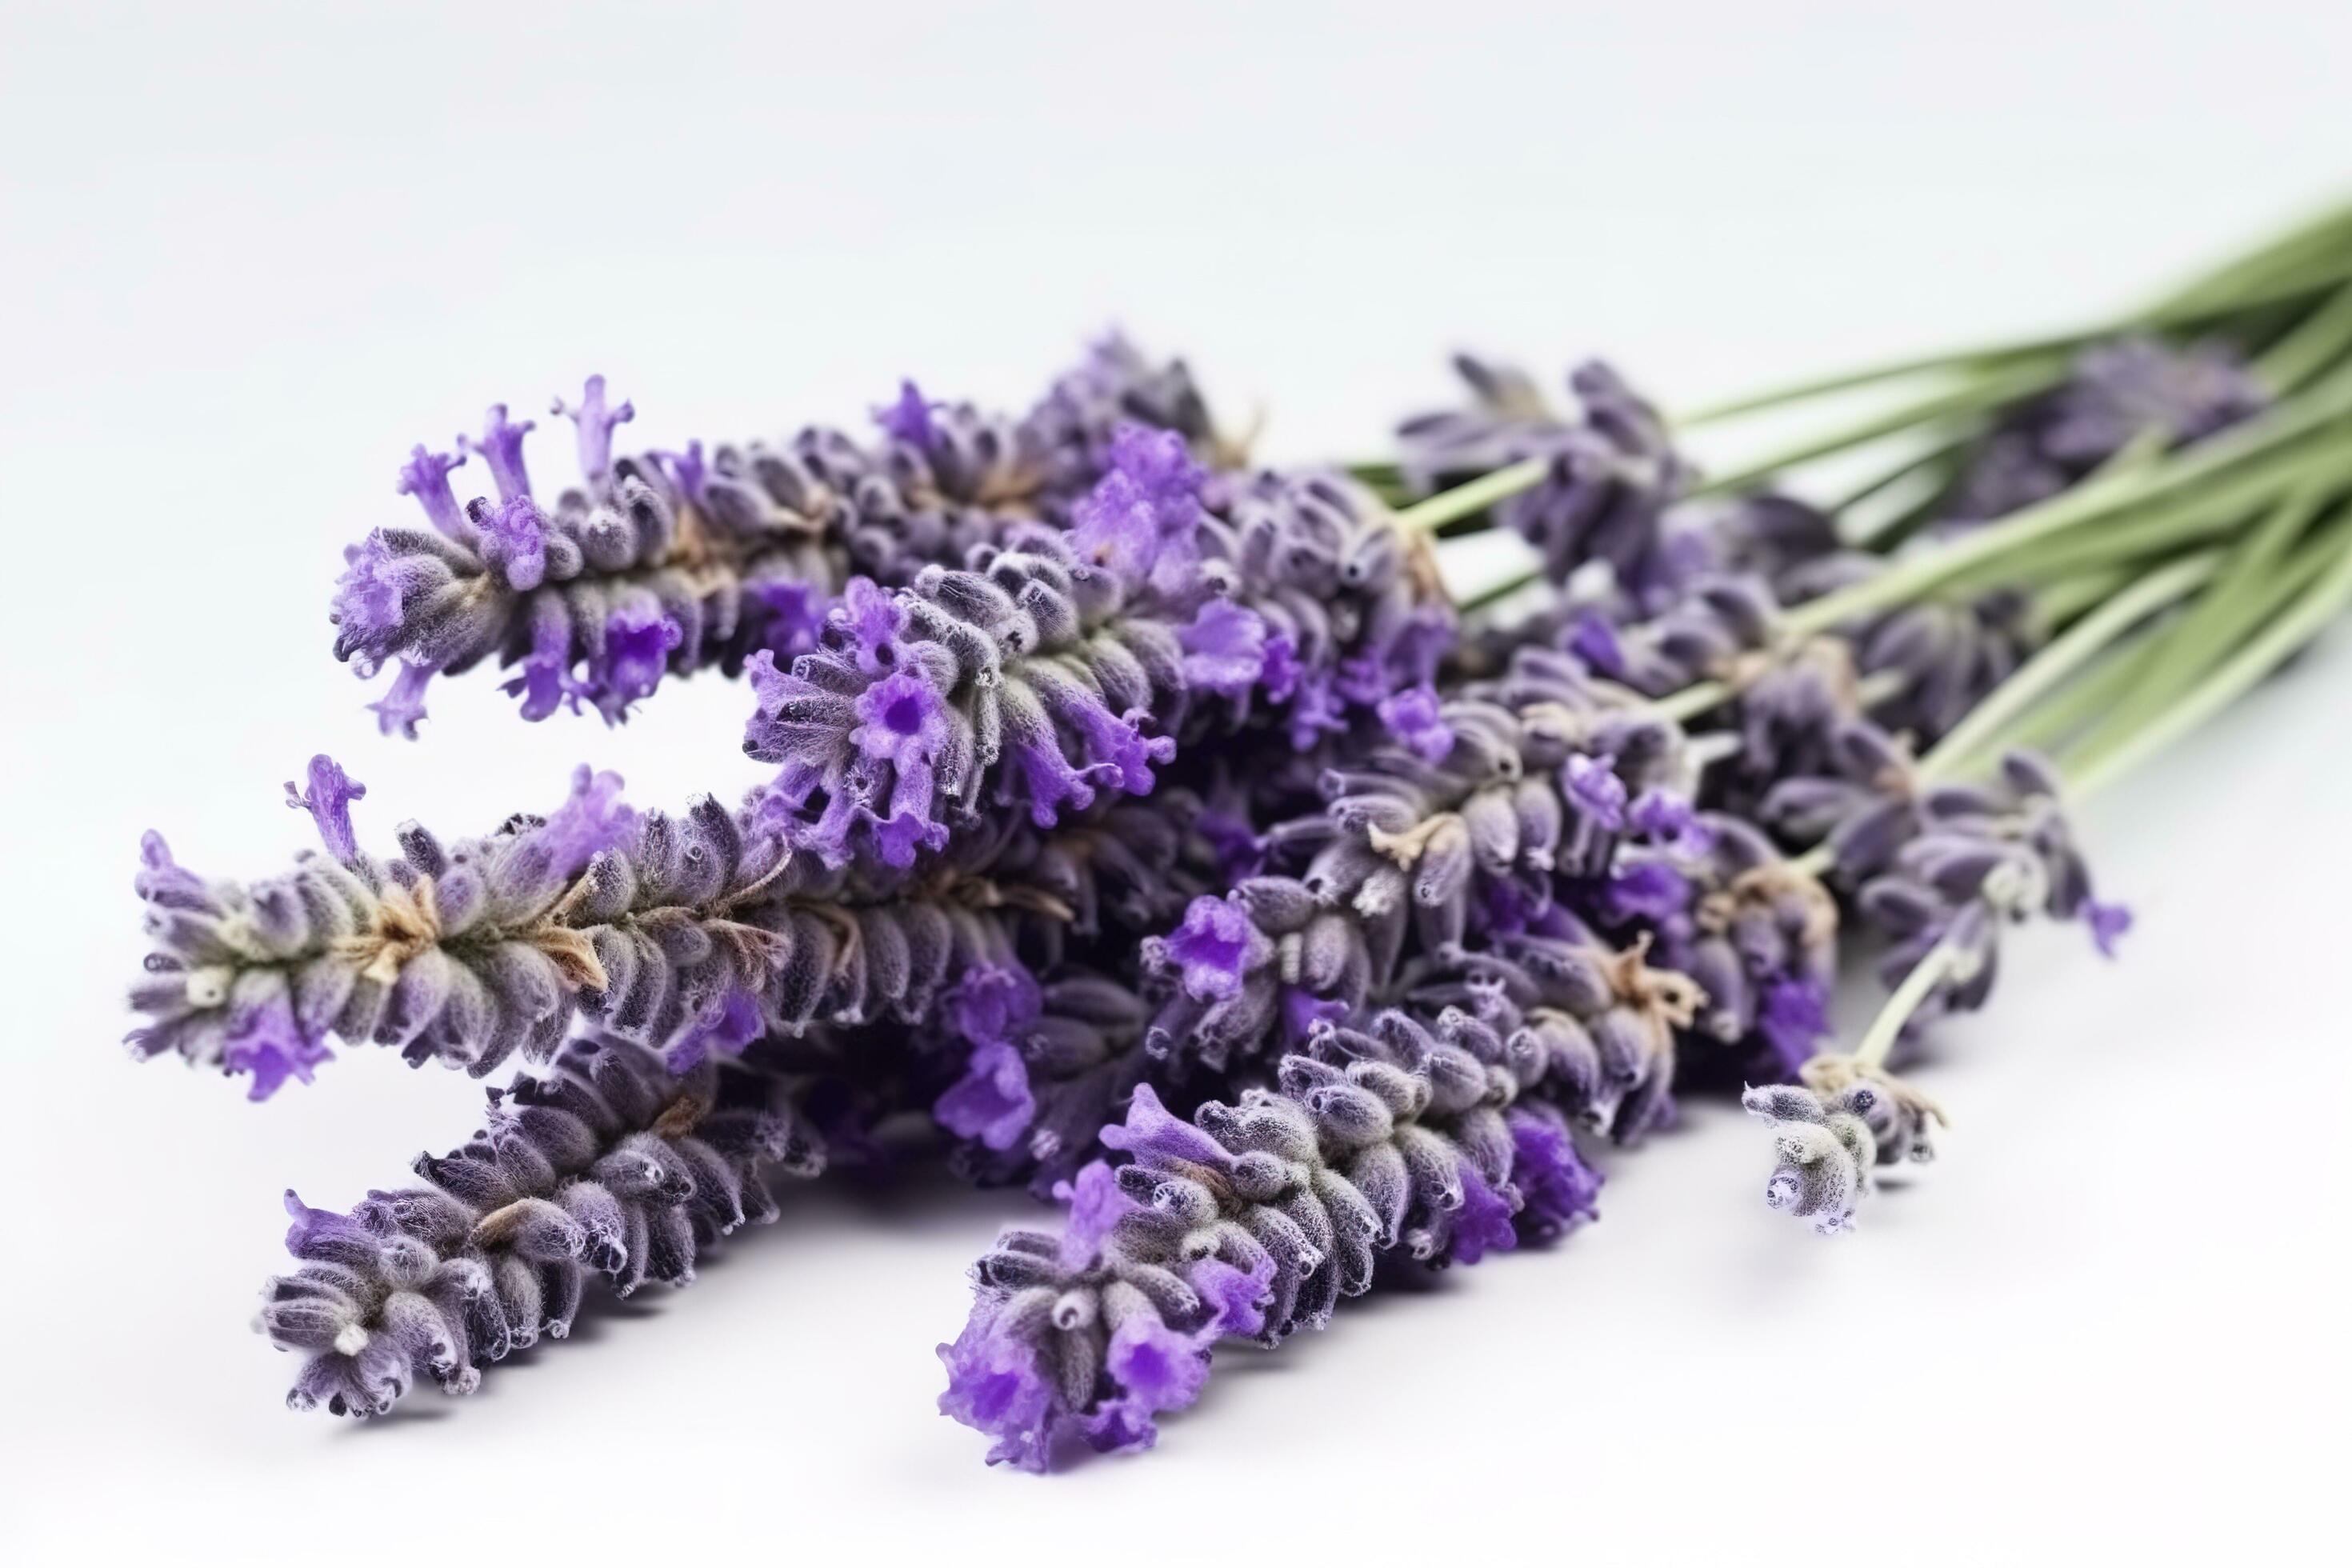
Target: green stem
[[2249, 570], [1934, 967], [2316, 343], [2113, 753], [2095, 499], [2193, 516], [1480, 493], [2288, 256], [2066, 713], [2058, 604], [2046, 670], [1986, 392], [1940, 460], [2301, 261], [1980, 358]]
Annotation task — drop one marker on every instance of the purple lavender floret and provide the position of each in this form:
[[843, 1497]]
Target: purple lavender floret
[[607, 1166], [1863, 804], [676, 560], [991, 1102], [1072, 1340], [1063, 667], [1352, 612]]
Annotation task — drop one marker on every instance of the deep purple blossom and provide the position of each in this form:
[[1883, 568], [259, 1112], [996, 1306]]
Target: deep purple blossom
[[594, 419], [637, 646], [1416, 718], [991, 1102], [501, 446], [268, 1045], [592, 820], [908, 418], [1558, 1189], [1212, 949], [2108, 923], [426, 476], [1227, 650], [329, 802], [1141, 520]]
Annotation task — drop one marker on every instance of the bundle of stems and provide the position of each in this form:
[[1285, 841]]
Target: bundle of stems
[[2167, 584]]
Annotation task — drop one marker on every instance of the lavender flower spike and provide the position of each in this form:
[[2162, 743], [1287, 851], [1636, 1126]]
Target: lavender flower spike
[[653, 925], [652, 566], [1848, 1119], [1028, 681], [606, 1166], [1826, 1152], [1254, 1219]]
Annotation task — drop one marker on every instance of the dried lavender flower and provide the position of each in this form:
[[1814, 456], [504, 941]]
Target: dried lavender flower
[[652, 564], [606, 1166], [1756, 934], [1985, 856], [1254, 1219], [1613, 470], [1409, 855], [1022, 684], [668, 931], [1901, 1118], [1826, 1152], [1061, 666]]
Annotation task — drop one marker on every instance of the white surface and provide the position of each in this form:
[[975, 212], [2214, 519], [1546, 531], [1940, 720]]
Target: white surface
[[251, 254]]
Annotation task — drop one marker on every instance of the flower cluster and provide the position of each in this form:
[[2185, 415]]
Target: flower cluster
[[1399, 1141], [1834, 1132], [1610, 472], [1411, 855], [607, 1166], [1757, 936], [1985, 856], [673, 932], [671, 561], [1151, 832], [664, 563]]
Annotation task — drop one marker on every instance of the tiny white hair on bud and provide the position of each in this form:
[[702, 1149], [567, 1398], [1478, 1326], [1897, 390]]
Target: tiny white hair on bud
[[209, 988]]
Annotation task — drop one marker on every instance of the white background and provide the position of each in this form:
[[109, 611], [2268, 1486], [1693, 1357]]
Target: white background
[[251, 253]]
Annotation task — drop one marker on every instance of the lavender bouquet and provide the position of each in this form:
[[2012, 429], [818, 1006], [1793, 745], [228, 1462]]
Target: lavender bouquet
[[1175, 839]]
